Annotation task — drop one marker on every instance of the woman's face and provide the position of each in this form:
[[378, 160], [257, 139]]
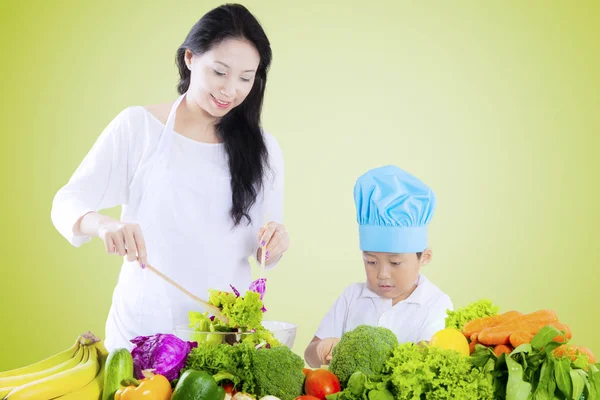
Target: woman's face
[[222, 77]]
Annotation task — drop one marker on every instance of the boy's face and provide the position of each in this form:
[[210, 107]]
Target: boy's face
[[394, 276]]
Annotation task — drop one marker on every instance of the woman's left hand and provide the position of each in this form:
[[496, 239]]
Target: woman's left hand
[[274, 238]]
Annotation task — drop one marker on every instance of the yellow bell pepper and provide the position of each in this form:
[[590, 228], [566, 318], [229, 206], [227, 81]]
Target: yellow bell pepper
[[155, 387]]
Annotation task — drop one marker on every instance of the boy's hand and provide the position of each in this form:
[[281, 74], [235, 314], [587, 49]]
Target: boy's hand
[[325, 349]]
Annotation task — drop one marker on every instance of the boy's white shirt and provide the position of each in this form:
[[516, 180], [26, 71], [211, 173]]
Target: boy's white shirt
[[414, 319]]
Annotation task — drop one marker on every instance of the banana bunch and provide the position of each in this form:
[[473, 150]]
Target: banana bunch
[[75, 373]]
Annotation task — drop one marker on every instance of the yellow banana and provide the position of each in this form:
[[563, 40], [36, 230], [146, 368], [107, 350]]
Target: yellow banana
[[102, 352], [61, 383], [44, 364], [91, 391], [19, 380], [5, 391]]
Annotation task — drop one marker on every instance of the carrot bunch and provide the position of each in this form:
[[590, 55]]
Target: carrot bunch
[[507, 331], [571, 351]]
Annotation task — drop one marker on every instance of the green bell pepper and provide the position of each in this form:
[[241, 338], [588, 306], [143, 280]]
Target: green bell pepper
[[200, 385]]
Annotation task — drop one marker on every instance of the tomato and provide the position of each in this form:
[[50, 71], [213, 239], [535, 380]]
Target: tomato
[[229, 388], [306, 371], [305, 397], [321, 382]]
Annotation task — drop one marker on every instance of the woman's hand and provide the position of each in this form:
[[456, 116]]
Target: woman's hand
[[274, 238], [124, 239]]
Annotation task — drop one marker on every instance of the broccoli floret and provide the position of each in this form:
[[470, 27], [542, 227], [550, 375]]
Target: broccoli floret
[[365, 349], [278, 372]]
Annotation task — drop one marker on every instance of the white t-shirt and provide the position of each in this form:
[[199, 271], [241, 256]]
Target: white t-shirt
[[127, 148], [414, 319]]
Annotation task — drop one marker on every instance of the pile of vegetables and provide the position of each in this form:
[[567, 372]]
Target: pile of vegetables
[[540, 370], [383, 370], [259, 372], [529, 355], [480, 355], [510, 355], [120, 384], [254, 364]]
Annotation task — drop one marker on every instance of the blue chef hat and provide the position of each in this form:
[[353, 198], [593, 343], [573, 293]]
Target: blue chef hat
[[393, 209]]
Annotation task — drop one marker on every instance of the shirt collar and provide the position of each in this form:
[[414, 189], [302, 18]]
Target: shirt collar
[[419, 296]]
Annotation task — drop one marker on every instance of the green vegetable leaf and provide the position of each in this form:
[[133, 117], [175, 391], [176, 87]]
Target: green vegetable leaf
[[524, 348], [594, 380], [563, 377], [517, 388], [547, 385], [544, 337], [380, 395], [480, 309], [578, 383], [356, 383], [199, 321], [586, 383], [481, 356], [419, 372], [581, 361]]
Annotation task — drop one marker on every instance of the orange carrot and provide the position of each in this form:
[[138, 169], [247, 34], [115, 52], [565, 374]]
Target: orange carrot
[[587, 352], [531, 323], [567, 350], [472, 347], [564, 328], [502, 348], [518, 338], [477, 325], [561, 350]]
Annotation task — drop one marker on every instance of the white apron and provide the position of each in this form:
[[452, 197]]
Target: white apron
[[179, 244]]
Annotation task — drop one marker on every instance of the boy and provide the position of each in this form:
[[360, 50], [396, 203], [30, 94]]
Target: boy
[[393, 211]]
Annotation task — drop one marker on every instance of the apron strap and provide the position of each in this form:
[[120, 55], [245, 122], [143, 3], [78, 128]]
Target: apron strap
[[170, 124], [166, 138], [161, 155]]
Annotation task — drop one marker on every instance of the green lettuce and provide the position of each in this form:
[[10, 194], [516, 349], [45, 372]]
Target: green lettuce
[[480, 309]]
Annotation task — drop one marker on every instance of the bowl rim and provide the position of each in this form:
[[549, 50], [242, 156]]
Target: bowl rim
[[187, 329]]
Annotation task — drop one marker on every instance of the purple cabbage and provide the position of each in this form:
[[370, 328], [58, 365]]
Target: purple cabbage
[[237, 294], [260, 286], [163, 354]]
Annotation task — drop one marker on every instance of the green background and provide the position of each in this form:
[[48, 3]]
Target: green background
[[494, 104]]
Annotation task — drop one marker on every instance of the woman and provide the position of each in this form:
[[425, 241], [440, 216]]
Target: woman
[[197, 179]]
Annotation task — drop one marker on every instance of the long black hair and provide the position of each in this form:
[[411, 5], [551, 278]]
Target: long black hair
[[240, 129]]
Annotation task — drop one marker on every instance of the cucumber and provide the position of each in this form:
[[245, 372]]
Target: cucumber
[[119, 365]]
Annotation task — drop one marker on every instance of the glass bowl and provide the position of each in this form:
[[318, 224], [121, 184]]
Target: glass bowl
[[285, 332]]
